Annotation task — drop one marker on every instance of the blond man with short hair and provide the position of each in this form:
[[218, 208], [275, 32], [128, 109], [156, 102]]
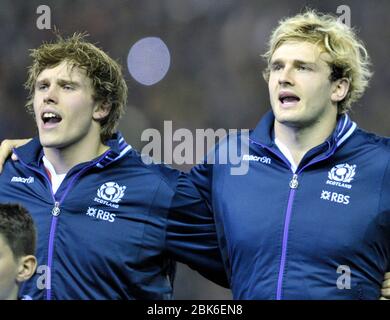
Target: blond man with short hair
[[313, 221]]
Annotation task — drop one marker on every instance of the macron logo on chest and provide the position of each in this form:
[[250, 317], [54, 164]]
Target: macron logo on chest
[[23, 180], [250, 157]]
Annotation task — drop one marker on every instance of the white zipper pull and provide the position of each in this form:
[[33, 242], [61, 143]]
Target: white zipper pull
[[294, 182], [56, 209]]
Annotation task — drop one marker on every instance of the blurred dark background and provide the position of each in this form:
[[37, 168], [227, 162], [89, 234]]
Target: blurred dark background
[[214, 80]]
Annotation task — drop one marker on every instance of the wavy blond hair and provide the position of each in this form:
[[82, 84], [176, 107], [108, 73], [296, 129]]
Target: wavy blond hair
[[106, 75], [349, 56]]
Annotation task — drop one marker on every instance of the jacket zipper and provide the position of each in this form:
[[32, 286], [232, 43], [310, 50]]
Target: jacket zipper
[[293, 186], [55, 212]]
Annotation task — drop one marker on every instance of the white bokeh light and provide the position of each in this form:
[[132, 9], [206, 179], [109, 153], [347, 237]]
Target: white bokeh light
[[149, 60]]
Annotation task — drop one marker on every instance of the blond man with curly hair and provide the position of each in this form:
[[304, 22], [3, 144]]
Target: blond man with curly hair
[[110, 226]]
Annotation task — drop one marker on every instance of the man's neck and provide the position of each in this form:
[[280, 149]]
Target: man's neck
[[63, 159], [299, 140]]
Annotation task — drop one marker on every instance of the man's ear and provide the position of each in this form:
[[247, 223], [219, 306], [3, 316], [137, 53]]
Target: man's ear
[[26, 268], [340, 89], [102, 110]]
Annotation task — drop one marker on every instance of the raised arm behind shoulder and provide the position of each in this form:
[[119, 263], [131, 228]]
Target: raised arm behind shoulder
[[6, 147]]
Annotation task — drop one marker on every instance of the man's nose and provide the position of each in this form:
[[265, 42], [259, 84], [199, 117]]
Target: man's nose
[[51, 95], [286, 77]]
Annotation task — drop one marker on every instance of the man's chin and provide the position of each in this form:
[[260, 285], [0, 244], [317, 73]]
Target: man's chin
[[287, 118], [49, 144]]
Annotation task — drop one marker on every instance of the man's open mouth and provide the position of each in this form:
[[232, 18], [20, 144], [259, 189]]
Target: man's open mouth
[[287, 97], [51, 117]]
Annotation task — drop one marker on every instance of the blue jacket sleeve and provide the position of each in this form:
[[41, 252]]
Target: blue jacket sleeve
[[191, 235], [207, 180], [384, 205]]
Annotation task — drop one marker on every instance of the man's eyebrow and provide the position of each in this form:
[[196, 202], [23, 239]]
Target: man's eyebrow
[[277, 61], [59, 81], [295, 62], [66, 81], [41, 80], [301, 62]]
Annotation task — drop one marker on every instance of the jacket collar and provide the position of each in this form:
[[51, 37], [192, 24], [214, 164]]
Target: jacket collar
[[263, 134], [32, 152]]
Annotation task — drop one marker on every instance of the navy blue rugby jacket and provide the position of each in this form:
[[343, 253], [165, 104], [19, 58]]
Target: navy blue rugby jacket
[[113, 228], [322, 232]]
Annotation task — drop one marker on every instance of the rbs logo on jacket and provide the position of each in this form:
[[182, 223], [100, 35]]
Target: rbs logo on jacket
[[101, 214], [340, 175], [109, 194], [334, 197]]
